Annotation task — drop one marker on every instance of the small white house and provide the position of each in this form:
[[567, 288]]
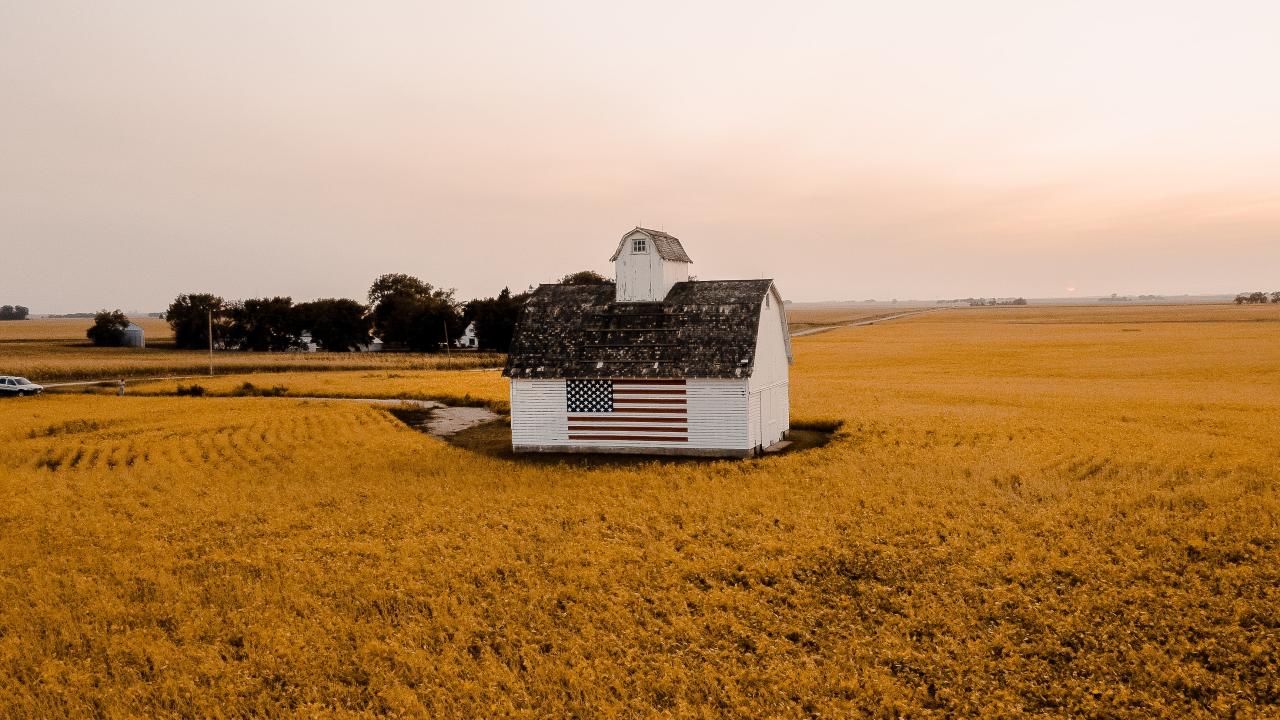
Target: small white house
[[135, 336], [468, 339], [655, 363]]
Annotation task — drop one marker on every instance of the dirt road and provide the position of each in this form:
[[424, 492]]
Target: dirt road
[[869, 321]]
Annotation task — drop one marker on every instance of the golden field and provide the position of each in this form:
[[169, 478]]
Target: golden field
[[803, 318], [453, 386], [1028, 511], [73, 329]]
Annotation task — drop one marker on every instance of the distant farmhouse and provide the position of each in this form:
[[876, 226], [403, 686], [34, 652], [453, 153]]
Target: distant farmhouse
[[656, 363], [469, 338]]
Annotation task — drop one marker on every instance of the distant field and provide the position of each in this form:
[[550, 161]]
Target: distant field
[[47, 362], [442, 384], [1058, 512], [57, 351], [73, 329], [810, 317], [1140, 314]]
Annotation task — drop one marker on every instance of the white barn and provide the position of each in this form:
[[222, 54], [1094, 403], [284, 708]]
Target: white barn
[[655, 363]]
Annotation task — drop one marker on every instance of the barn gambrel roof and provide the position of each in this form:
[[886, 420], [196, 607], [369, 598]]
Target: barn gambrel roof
[[701, 329], [668, 246]]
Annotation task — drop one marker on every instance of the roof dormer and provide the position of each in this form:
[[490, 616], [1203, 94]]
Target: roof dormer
[[647, 263]]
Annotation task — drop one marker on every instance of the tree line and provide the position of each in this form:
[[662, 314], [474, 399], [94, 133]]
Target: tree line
[[13, 312], [1257, 297], [981, 302], [403, 311]]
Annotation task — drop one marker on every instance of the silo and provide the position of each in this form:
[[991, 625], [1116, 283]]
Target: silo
[[134, 336]]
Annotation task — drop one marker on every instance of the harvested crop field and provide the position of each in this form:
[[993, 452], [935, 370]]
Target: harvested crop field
[[64, 361], [1052, 511]]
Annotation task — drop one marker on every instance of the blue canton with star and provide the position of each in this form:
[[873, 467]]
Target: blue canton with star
[[589, 396]]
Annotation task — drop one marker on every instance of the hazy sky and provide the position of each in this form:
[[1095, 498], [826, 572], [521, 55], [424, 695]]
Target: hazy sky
[[849, 150]]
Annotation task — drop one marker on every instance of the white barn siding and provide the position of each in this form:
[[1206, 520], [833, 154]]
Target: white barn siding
[[753, 418], [635, 276], [538, 413], [717, 419], [717, 414], [770, 405], [672, 273]]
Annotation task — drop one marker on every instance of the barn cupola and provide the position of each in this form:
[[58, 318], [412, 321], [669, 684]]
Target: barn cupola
[[647, 263]]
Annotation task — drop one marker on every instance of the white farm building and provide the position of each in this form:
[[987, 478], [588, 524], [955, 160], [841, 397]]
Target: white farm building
[[655, 363]]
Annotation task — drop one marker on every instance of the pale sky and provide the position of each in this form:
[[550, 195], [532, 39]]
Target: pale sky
[[848, 150]]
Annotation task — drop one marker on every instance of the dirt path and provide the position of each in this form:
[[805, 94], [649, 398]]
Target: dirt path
[[442, 420], [869, 321]]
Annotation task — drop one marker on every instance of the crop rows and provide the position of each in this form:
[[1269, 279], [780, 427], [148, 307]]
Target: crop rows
[[168, 436], [1016, 518]]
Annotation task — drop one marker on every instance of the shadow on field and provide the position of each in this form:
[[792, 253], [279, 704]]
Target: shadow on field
[[493, 439]]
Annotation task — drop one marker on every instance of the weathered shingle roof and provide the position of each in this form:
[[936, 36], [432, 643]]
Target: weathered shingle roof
[[702, 329], [668, 246]]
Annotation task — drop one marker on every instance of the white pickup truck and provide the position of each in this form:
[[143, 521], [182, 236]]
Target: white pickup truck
[[11, 386]]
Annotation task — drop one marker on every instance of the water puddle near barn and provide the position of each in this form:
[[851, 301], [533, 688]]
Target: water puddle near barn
[[439, 420]]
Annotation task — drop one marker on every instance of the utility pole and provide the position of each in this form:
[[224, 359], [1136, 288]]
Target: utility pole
[[210, 342], [447, 350]]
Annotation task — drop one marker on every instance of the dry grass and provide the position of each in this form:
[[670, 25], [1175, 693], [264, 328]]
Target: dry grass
[[816, 316], [1029, 511], [47, 362], [73, 329], [456, 386]]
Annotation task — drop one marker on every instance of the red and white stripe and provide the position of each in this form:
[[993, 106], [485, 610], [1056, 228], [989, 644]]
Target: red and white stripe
[[643, 410]]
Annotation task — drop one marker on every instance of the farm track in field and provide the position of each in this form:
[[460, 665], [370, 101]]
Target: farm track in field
[[859, 323]]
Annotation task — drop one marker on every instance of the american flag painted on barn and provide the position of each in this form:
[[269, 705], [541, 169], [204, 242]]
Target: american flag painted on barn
[[614, 410]]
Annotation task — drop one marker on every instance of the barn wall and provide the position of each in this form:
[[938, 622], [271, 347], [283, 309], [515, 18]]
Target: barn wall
[[717, 416], [538, 413], [672, 273], [636, 272], [753, 418], [769, 384]]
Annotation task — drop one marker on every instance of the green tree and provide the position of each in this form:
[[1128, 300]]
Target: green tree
[[412, 314], [585, 277], [263, 324], [495, 318], [398, 284], [188, 315], [335, 324], [108, 328], [13, 312]]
